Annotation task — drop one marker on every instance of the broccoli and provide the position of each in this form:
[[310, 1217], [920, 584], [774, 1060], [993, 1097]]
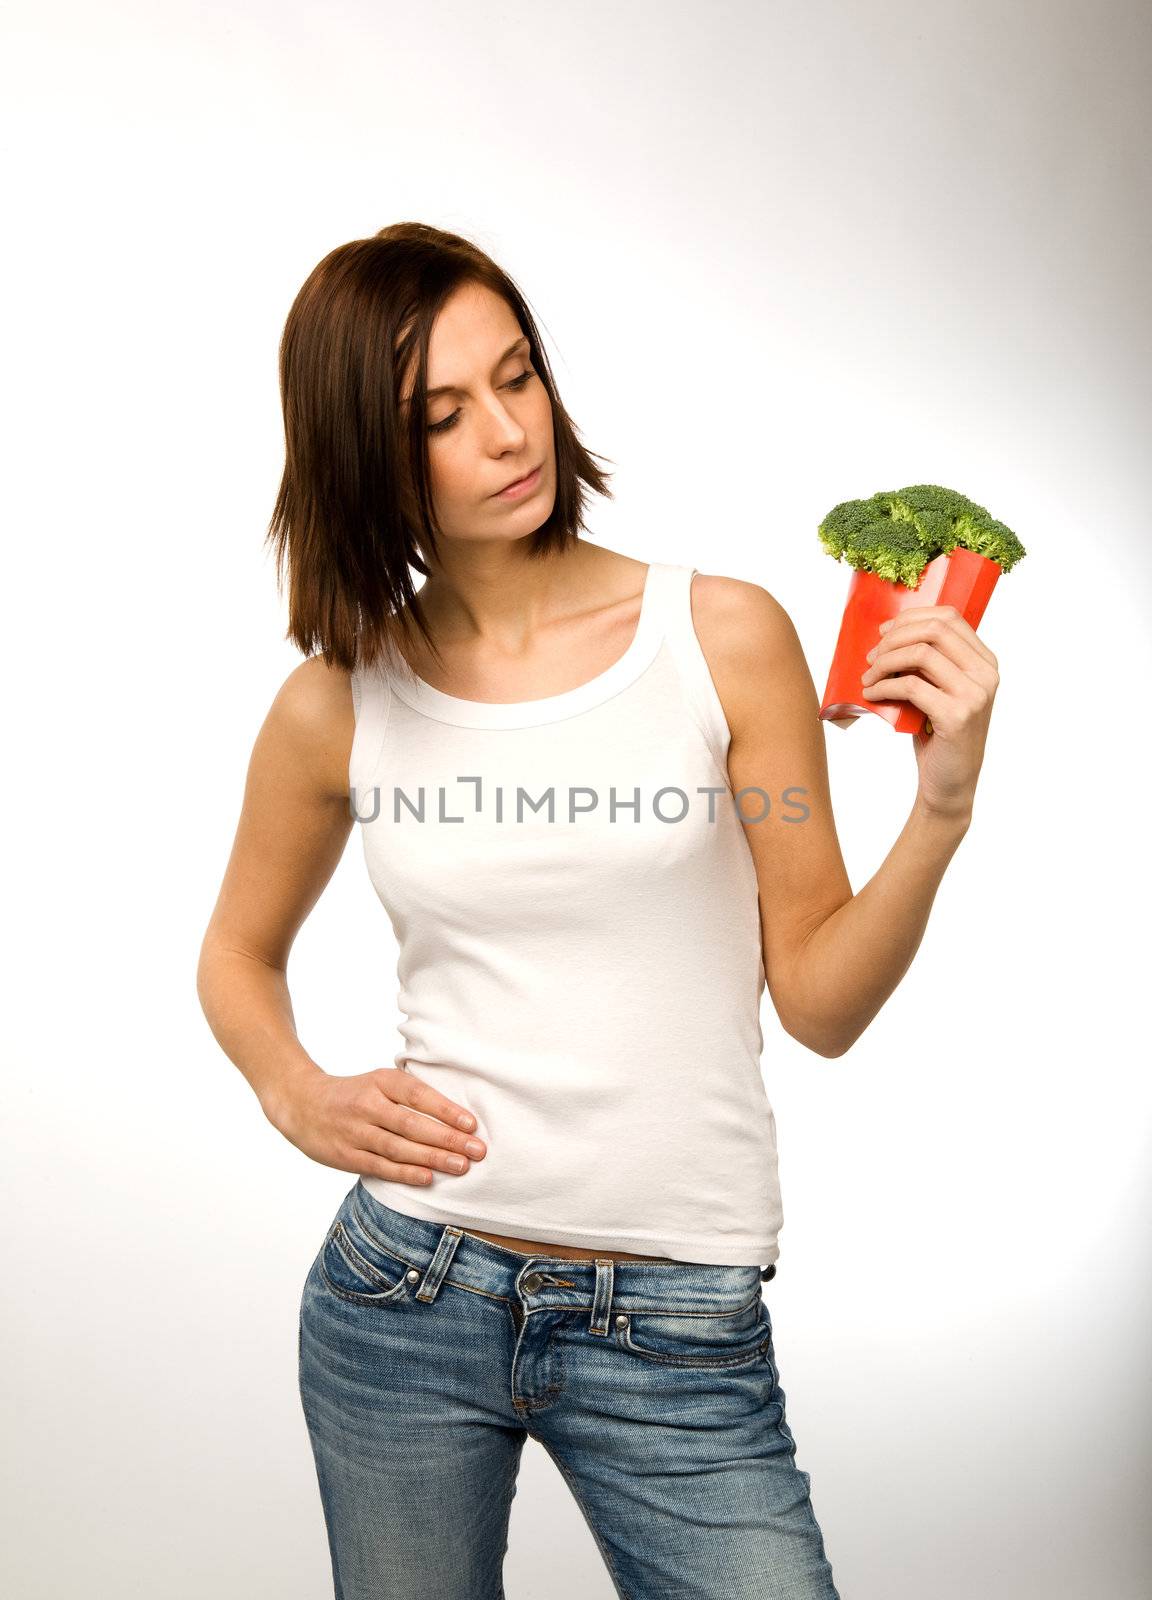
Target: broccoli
[[896, 535]]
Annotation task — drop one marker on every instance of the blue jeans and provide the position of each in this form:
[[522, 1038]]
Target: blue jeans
[[428, 1356]]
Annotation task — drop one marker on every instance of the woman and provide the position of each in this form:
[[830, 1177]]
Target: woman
[[594, 802]]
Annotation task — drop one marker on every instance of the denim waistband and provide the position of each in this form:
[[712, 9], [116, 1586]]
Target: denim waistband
[[440, 1252]]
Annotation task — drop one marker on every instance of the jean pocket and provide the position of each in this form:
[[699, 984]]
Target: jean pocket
[[357, 1267], [698, 1339]]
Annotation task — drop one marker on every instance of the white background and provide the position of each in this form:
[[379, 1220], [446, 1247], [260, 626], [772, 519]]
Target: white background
[[783, 255]]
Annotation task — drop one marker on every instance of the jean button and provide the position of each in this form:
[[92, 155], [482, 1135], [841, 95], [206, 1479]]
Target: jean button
[[531, 1283], [411, 1274]]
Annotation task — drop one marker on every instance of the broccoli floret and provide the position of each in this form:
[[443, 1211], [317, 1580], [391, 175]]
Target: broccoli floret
[[896, 535], [890, 550]]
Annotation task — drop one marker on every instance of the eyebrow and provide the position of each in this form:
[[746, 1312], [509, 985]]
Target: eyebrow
[[451, 388]]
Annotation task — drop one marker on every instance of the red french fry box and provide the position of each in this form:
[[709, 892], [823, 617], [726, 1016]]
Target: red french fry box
[[962, 579]]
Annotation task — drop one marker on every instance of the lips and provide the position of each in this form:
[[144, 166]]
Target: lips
[[522, 479]]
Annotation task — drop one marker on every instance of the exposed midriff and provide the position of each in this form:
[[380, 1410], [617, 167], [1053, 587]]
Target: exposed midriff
[[568, 1252]]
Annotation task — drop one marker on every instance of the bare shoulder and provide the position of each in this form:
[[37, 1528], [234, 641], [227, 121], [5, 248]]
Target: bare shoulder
[[752, 649], [776, 755], [294, 820], [310, 725], [736, 614]]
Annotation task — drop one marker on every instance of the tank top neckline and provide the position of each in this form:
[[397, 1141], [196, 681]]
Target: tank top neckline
[[641, 652]]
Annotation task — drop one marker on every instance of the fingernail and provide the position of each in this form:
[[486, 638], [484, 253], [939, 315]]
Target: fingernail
[[474, 1147], [465, 1122], [884, 625]]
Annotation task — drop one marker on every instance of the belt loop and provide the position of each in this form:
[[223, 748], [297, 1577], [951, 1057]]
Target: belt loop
[[439, 1264], [602, 1297]]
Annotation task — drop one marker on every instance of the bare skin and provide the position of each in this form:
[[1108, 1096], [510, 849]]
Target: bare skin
[[530, 1247]]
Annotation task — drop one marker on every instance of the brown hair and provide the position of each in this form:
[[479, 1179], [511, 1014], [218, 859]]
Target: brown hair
[[354, 511]]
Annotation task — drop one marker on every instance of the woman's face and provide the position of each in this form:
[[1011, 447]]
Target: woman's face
[[493, 425]]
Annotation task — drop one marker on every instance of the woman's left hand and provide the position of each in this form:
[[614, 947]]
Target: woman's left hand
[[952, 676]]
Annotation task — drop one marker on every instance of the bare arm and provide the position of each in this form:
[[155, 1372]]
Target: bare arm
[[831, 958], [293, 828]]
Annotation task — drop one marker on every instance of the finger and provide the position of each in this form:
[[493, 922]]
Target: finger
[[371, 1165], [411, 1152], [936, 623], [404, 1089], [936, 634], [426, 1131], [921, 657], [926, 696]]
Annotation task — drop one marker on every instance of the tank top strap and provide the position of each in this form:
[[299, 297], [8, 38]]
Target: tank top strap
[[673, 616]]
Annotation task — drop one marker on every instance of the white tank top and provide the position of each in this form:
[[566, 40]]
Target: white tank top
[[575, 904]]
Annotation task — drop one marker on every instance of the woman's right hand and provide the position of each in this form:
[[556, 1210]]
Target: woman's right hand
[[384, 1124]]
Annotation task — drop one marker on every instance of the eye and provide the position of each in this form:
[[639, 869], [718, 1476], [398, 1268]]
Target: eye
[[450, 421]]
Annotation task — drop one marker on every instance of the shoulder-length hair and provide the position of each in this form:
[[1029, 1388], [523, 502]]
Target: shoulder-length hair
[[354, 512]]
